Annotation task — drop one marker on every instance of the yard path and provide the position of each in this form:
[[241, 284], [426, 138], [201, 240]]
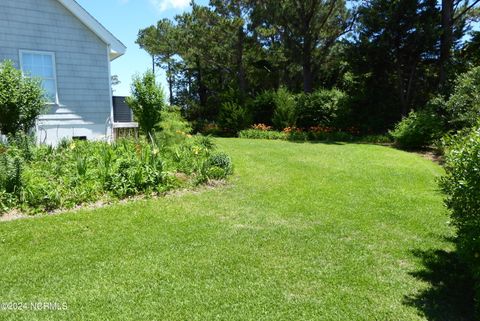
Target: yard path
[[302, 232]]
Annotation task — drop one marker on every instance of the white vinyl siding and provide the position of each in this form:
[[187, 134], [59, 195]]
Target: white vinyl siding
[[41, 65]]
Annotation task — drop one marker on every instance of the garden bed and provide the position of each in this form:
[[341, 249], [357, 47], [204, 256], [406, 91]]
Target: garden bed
[[316, 133], [43, 179]]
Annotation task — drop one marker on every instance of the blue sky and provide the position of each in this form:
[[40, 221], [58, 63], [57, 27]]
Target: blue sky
[[124, 18]]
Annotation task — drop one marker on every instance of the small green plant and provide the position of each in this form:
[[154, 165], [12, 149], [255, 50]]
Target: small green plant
[[10, 173], [81, 161], [221, 161], [22, 100]]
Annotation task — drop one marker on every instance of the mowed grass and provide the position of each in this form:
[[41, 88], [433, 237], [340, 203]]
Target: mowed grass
[[302, 232]]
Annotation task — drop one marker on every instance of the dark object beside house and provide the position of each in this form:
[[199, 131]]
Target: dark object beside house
[[123, 123], [121, 112]]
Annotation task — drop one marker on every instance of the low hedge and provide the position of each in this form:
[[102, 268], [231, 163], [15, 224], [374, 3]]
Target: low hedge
[[317, 133], [263, 134]]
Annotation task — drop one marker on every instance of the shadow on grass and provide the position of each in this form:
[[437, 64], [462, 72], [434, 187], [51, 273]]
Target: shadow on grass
[[450, 294], [324, 142]]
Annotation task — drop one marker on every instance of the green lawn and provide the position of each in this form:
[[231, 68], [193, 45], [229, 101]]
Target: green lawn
[[302, 232]]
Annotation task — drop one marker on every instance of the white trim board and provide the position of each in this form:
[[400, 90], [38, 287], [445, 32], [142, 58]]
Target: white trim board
[[117, 48]]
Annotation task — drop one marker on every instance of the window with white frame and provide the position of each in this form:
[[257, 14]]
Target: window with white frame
[[41, 65]]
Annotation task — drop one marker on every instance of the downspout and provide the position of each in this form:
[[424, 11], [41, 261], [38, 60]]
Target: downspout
[[109, 135]]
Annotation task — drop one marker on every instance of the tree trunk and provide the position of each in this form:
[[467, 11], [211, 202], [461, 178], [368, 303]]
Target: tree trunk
[[307, 67], [170, 83], [401, 90], [153, 64], [446, 41], [202, 89]]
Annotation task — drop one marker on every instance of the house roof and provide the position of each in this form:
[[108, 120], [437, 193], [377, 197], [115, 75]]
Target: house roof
[[117, 48]]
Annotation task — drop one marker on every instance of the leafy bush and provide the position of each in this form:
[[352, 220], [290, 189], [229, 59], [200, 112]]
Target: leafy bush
[[464, 104], [219, 166], [22, 100], [233, 118], [284, 115], [418, 129], [323, 107], [462, 188], [147, 101]]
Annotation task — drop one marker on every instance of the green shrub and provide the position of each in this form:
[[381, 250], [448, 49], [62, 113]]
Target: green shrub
[[418, 129], [323, 107], [334, 136], [233, 118], [376, 139], [464, 105], [22, 100], [174, 129], [147, 102], [284, 115], [261, 134], [462, 188], [263, 107], [299, 136]]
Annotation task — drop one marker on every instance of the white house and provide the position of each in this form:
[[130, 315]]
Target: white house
[[61, 43]]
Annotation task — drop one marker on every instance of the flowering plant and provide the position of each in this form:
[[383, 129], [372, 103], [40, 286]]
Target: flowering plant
[[262, 127]]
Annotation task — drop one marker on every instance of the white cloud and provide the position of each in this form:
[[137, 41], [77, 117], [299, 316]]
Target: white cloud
[[163, 5]]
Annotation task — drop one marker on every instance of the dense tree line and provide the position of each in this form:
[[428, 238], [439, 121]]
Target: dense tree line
[[389, 56]]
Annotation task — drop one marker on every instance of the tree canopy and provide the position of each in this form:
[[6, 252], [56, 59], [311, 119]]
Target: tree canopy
[[390, 56]]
